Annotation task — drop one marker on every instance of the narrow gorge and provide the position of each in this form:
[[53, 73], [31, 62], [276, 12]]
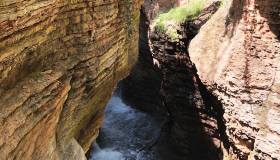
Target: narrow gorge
[[139, 79]]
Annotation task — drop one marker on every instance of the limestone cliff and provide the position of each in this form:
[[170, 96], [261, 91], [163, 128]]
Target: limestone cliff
[[59, 62], [237, 55]]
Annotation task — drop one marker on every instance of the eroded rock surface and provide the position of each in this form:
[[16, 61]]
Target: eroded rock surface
[[236, 103], [191, 121], [237, 55], [172, 87], [59, 63]]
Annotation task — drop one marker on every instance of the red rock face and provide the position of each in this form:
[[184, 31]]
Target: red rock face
[[59, 63], [237, 55]]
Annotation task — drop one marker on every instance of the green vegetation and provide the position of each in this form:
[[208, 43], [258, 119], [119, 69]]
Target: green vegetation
[[169, 22]]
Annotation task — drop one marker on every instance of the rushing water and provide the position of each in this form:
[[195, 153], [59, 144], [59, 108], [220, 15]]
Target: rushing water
[[127, 134]]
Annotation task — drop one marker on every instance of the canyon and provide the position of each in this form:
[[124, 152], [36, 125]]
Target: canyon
[[214, 91]]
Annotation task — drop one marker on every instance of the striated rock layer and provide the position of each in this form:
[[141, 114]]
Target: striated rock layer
[[237, 55], [59, 62]]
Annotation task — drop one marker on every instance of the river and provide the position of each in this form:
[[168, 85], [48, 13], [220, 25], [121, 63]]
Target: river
[[127, 134]]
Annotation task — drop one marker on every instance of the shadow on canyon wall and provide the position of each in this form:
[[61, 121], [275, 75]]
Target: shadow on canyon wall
[[141, 87], [193, 123], [214, 108], [254, 29], [194, 126], [270, 10]]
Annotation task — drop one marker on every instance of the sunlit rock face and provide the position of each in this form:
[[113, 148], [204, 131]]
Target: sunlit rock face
[[59, 62], [237, 55]]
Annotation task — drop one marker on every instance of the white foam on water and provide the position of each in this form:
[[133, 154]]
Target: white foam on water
[[125, 130], [107, 154]]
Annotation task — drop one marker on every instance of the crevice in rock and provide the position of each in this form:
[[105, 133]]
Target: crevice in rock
[[214, 107], [192, 125], [141, 87]]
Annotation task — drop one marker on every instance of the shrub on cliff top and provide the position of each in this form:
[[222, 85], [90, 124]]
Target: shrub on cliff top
[[168, 22]]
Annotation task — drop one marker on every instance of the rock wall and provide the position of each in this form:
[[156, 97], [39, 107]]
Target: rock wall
[[141, 87], [59, 63], [191, 121], [164, 83], [237, 55], [227, 94]]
